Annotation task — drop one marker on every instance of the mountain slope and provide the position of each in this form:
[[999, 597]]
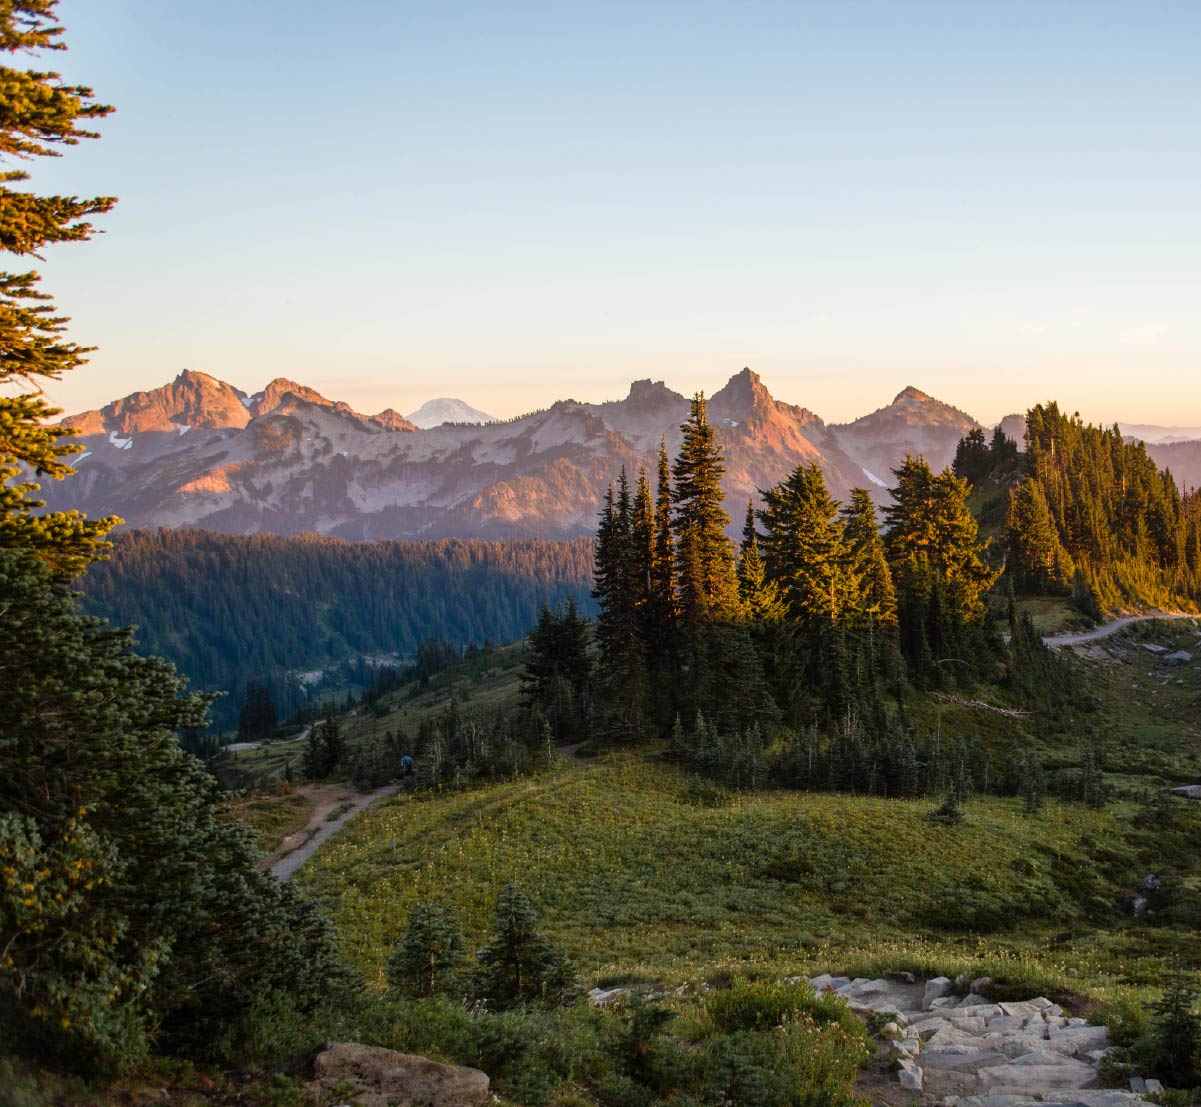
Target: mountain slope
[[1183, 458], [914, 423], [433, 413], [287, 460]]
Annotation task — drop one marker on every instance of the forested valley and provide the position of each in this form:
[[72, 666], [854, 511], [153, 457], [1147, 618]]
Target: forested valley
[[228, 610]]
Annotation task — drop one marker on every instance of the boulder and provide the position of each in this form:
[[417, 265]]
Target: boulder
[[979, 984], [1177, 657], [1078, 1039], [938, 988], [1189, 791], [386, 1078], [910, 1076], [821, 983], [1151, 647], [1025, 1010], [925, 1027]]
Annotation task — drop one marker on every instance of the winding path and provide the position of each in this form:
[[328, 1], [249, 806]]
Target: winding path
[[1057, 640], [327, 828]]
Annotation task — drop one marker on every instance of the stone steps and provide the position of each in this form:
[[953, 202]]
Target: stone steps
[[970, 1052]]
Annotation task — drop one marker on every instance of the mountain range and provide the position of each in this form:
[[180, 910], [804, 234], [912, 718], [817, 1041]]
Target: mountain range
[[200, 452]]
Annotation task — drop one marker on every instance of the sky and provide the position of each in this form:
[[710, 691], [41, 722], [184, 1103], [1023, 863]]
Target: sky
[[996, 202]]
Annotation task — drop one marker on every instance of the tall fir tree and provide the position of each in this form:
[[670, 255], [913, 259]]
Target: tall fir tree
[[621, 671], [805, 550], [875, 600], [707, 582], [760, 596], [39, 115], [1035, 556]]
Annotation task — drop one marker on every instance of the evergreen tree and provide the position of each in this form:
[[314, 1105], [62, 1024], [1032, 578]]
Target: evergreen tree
[[875, 598], [257, 720], [520, 964], [1002, 452], [621, 673], [1175, 1039], [707, 581], [430, 954], [760, 596], [1036, 557], [940, 574], [718, 669], [325, 749], [1031, 784], [557, 676], [39, 114], [805, 549], [663, 577], [973, 460], [659, 626]]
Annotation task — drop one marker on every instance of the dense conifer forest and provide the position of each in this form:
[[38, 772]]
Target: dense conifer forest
[[230, 610], [1096, 517]]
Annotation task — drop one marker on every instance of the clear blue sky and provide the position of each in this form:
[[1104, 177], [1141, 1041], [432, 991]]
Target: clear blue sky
[[516, 202]]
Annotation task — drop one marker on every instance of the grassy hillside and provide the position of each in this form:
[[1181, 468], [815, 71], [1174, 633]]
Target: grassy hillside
[[639, 871]]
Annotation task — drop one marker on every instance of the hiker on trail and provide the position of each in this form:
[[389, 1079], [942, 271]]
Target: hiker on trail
[[406, 766]]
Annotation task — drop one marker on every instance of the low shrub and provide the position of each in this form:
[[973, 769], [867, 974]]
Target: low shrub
[[762, 1005]]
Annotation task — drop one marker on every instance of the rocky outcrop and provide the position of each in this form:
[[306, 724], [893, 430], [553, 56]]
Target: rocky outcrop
[[385, 1078]]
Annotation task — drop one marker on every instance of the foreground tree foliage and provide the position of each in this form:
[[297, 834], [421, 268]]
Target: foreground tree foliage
[[130, 909]]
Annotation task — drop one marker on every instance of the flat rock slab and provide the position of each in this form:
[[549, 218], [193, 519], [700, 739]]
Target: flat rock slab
[[1014, 1079], [968, 1061]]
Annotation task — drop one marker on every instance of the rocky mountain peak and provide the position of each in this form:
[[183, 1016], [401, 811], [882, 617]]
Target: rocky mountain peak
[[193, 399], [909, 394], [650, 392], [273, 396], [743, 395], [392, 420]]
